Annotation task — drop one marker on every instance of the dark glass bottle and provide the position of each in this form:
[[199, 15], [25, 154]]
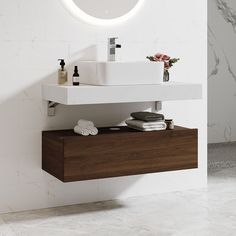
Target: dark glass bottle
[[75, 78]]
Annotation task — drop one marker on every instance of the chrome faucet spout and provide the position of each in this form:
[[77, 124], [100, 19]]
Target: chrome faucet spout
[[112, 48]]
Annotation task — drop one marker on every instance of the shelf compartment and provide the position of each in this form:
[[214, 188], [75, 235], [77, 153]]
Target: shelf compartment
[[70, 157], [87, 94]]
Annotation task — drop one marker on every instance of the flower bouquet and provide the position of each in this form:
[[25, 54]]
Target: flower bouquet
[[168, 63]]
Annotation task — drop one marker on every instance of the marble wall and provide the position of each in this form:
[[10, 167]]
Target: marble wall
[[221, 71], [33, 35]]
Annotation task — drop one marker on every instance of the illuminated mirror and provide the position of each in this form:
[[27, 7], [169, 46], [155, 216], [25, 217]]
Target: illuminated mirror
[[103, 12]]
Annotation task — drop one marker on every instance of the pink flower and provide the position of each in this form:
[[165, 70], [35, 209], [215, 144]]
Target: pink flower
[[161, 57], [166, 58], [168, 62], [158, 57]]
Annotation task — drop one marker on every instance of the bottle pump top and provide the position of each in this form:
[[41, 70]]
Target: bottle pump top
[[62, 63]]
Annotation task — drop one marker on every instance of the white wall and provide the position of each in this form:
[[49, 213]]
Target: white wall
[[33, 35], [222, 71]]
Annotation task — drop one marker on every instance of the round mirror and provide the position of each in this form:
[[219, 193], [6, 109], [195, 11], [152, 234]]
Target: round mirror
[[103, 11], [106, 9]]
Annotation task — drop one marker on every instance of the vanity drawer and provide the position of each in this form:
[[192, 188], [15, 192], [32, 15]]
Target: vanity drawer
[[70, 157]]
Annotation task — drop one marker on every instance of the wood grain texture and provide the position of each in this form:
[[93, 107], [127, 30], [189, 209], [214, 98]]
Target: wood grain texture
[[70, 157], [53, 158]]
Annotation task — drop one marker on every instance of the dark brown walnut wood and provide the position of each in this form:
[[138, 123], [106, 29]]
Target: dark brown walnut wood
[[70, 157]]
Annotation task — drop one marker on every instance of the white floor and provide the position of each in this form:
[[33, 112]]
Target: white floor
[[209, 211]]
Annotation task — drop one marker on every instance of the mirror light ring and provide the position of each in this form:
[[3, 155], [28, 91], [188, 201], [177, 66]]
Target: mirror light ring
[[78, 13]]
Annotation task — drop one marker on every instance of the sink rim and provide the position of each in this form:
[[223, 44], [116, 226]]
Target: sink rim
[[121, 62]]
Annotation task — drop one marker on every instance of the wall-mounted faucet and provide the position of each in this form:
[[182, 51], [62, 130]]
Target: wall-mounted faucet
[[112, 48]]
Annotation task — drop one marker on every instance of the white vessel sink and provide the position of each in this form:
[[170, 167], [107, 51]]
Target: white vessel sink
[[120, 73]]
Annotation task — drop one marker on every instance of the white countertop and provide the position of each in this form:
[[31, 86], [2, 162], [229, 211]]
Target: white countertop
[[88, 94]]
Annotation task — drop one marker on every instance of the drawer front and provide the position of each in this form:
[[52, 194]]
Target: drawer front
[[129, 154]]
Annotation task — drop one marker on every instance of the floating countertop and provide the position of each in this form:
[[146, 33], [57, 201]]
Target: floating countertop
[[88, 94]]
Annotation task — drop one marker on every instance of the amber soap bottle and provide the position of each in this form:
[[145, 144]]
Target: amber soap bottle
[[62, 73]]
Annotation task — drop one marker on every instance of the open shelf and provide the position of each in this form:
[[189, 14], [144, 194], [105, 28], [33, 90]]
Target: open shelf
[[87, 94]]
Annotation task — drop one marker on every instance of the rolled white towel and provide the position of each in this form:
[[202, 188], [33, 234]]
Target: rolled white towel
[[81, 131], [93, 130], [85, 123]]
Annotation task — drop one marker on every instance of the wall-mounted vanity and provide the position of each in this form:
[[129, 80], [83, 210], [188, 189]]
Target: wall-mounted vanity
[[122, 152], [70, 157]]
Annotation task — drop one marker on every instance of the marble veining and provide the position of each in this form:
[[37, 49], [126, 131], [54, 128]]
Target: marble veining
[[204, 212], [222, 71], [227, 12], [214, 71], [231, 72]]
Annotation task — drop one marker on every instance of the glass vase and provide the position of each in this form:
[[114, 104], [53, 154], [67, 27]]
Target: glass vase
[[166, 76]]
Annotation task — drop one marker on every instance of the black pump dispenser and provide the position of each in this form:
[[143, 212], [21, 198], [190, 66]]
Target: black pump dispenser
[[62, 63]]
